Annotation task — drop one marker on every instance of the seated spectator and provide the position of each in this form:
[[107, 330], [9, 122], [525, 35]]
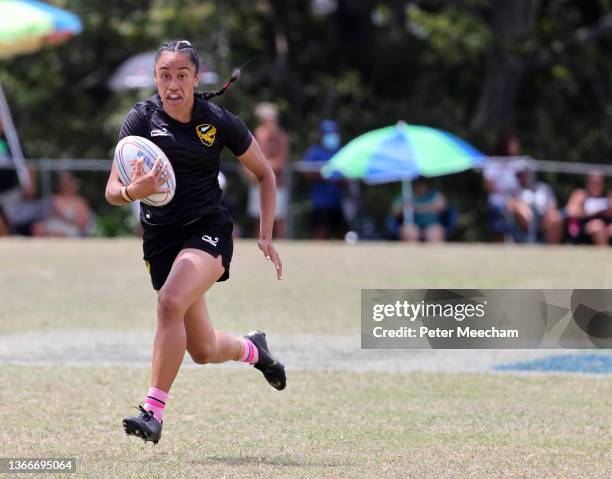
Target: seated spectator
[[327, 218], [427, 206], [4, 229], [19, 207], [501, 184], [9, 185], [535, 206], [589, 211], [70, 216]]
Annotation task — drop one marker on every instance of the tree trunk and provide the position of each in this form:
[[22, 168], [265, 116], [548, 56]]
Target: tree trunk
[[510, 21], [505, 72], [354, 20], [285, 77]]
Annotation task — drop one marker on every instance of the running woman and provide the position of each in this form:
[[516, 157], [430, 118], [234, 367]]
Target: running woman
[[187, 243]]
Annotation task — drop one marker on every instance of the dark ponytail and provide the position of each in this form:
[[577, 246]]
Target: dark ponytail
[[187, 48], [235, 77]]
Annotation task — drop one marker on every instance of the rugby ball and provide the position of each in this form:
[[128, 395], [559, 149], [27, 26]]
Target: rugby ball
[[132, 148]]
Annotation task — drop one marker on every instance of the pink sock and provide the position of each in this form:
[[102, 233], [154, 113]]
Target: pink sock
[[250, 354], [156, 402]]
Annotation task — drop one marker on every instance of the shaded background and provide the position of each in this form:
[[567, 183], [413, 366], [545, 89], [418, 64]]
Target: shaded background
[[474, 67]]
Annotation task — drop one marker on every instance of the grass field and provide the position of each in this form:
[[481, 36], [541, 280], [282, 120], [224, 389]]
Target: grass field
[[349, 421]]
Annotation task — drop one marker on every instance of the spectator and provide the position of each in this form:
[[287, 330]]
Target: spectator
[[327, 218], [71, 215], [18, 207], [536, 206], [4, 228], [274, 144], [9, 186], [501, 184], [427, 205], [589, 211]]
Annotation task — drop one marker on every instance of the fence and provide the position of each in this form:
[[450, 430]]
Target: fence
[[46, 167]]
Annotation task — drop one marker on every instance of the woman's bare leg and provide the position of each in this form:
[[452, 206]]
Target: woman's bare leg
[[204, 343], [193, 273]]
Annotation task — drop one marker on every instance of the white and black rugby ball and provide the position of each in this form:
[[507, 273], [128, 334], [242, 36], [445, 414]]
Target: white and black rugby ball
[[133, 148]]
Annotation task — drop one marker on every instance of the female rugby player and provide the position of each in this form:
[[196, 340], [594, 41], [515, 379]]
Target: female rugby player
[[187, 243]]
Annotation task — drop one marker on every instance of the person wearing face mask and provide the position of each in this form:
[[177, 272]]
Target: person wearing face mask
[[327, 220]]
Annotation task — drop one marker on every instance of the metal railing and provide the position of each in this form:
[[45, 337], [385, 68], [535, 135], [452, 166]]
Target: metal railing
[[46, 166]]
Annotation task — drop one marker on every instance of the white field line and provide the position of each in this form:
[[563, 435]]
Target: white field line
[[94, 348]]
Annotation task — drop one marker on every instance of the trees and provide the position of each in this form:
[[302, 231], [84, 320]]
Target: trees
[[475, 67]]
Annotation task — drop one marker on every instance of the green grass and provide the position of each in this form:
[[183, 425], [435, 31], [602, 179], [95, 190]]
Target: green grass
[[326, 423], [104, 284]]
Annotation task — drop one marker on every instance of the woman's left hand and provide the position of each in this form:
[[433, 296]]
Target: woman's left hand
[[271, 254]]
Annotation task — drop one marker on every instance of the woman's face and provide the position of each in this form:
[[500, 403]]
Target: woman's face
[[595, 184], [176, 78], [67, 184], [514, 147]]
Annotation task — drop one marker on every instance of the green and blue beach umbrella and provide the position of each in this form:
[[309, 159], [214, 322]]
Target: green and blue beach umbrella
[[402, 152]]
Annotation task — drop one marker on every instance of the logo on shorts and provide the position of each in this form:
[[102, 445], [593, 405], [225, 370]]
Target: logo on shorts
[[159, 132], [210, 240], [206, 133], [148, 265]]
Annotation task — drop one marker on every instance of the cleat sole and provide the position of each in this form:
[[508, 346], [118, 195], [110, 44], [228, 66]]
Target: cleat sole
[[132, 429], [273, 371], [277, 379]]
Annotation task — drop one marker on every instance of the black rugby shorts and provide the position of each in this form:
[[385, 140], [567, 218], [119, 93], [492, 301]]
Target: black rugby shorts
[[212, 234]]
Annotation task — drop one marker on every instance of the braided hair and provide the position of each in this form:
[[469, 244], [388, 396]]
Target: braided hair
[[185, 47]]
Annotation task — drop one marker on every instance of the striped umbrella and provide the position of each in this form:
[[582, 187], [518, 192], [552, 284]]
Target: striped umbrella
[[28, 25], [401, 153]]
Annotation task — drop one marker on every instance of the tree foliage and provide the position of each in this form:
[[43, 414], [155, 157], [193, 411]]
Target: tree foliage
[[474, 67]]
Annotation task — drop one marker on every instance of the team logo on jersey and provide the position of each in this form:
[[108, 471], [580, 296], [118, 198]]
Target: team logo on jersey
[[212, 241], [206, 133], [159, 132]]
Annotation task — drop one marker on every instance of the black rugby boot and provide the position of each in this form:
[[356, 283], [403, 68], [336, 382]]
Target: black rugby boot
[[144, 426], [273, 371]]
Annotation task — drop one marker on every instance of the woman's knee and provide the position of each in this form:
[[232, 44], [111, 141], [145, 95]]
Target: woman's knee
[[170, 307], [595, 226], [410, 232], [434, 233], [203, 353]]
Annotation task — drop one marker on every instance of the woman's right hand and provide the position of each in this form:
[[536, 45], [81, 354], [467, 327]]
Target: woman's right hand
[[145, 184]]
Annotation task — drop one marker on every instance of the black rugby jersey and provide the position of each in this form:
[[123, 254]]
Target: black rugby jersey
[[194, 150]]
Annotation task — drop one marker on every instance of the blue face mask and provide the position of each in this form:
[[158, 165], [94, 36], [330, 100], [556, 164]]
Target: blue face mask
[[331, 141]]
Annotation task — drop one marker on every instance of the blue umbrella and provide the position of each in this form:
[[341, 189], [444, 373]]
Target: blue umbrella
[[401, 153]]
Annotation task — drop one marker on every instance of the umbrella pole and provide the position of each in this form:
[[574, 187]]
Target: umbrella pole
[[407, 202], [13, 142]]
